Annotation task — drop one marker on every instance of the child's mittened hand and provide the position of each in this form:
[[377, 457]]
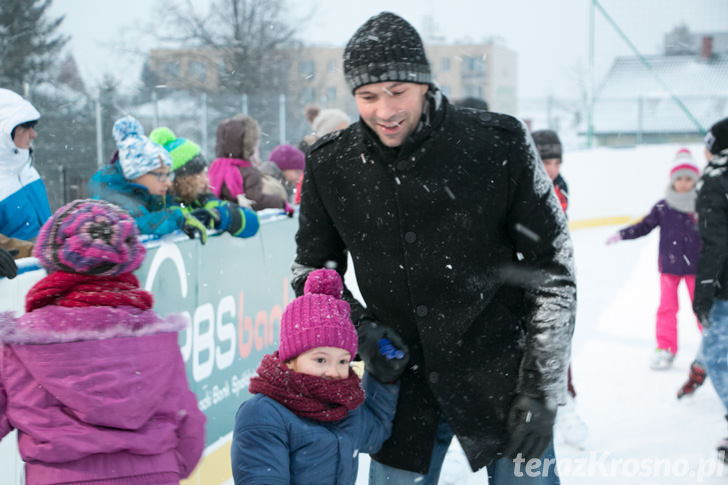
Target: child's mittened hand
[[193, 227], [388, 350], [8, 269], [384, 353], [289, 210], [614, 238]]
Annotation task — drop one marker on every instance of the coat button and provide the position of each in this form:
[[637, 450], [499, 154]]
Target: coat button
[[421, 310], [410, 237]]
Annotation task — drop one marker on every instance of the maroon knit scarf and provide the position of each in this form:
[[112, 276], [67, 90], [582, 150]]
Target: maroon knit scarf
[[307, 396], [80, 290]]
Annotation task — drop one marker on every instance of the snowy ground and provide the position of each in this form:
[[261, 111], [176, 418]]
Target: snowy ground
[[639, 433]]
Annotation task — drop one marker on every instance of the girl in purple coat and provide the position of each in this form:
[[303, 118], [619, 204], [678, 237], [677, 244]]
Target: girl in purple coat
[[678, 250], [90, 376]]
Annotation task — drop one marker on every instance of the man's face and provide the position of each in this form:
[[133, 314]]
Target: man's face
[[24, 135], [391, 109]]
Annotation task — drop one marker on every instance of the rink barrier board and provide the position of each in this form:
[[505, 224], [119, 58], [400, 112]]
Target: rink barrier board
[[233, 291]]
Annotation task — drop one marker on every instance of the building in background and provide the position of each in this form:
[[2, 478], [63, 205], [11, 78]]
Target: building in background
[[684, 87], [486, 71]]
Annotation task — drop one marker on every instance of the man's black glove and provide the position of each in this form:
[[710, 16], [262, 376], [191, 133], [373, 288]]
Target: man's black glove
[[384, 353], [531, 426], [701, 307], [8, 268]]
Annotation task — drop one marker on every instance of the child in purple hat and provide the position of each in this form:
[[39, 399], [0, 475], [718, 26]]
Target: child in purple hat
[[285, 164], [90, 376], [310, 414]]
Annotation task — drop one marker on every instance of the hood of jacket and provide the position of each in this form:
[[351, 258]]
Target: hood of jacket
[[114, 375], [14, 110], [229, 143]]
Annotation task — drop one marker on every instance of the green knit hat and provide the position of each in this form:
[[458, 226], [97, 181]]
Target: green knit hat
[[181, 150]]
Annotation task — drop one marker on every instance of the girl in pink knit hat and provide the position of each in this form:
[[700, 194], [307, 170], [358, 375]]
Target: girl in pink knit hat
[[310, 415], [678, 252]]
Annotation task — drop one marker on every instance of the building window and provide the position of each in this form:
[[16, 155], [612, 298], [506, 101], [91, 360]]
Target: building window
[[331, 66], [197, 70], [473, 66], [445, 64], [308, 94], [307, 69], [331, 93], [474, 91], [171, 69]]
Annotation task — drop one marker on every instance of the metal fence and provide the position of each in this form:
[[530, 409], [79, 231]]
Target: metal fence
[[74, 135]]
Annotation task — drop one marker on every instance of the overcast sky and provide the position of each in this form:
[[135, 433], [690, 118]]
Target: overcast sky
[[550, 37]]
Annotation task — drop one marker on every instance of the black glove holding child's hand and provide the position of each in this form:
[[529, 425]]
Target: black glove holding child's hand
[[383, 351], [531, 426], [8, 268]]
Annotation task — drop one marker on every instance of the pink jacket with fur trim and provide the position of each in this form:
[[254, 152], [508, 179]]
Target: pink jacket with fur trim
[[98, 394]]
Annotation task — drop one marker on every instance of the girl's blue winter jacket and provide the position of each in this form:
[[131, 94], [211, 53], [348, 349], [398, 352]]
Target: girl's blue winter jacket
[[271, 445]]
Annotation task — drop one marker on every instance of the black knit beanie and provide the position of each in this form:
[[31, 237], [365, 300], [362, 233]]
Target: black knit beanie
[[385, 48], [716, 140], [548, 144]]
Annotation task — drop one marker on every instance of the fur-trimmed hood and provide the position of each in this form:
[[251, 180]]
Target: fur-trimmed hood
[[56, 324]]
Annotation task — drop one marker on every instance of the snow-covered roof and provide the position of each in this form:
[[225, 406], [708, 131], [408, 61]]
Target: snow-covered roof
[[631, 98]]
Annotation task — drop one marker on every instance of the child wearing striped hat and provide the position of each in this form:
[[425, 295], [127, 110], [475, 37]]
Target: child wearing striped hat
[[678, 250]]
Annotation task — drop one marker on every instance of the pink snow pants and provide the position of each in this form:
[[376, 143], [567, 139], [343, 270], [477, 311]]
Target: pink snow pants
[[666, 329]]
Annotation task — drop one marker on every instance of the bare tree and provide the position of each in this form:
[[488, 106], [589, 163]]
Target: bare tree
[[251, 41]]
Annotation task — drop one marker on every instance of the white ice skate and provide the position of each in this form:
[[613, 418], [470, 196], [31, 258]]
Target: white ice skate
[[570, 426], [661, 359]]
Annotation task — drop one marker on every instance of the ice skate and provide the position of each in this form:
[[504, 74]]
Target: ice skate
[[695, 380], [569, 424], [661, 359], [723, 450]]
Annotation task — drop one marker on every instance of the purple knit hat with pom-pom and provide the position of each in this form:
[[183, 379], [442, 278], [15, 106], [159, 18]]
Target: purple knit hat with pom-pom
[[90, 237], [318, 318]]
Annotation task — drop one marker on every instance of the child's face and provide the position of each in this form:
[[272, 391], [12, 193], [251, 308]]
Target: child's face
[[552, 166], [157, 181], [327, 362], [189, 187], [201, 182], [292, 176], [683, 184]]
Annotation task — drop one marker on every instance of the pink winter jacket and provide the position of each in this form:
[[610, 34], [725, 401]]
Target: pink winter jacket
[[99, 404]]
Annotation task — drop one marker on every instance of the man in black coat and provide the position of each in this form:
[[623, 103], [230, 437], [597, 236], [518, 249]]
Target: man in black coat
[[459, 247], [710, 301]]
